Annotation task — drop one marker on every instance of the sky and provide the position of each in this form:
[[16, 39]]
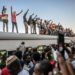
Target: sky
[[62, 11]]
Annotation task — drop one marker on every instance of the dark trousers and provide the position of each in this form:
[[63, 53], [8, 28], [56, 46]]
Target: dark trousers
[[14, 24], [26, 27], [5, 23], [33, 29]]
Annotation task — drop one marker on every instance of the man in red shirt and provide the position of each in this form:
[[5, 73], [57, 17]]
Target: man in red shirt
[[13, 17]]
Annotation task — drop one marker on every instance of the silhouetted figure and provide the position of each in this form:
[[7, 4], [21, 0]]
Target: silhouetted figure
[[30, 22], [25, 21], [4, 18]]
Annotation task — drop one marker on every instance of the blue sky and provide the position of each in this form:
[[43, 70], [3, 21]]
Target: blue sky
[[62, 11]]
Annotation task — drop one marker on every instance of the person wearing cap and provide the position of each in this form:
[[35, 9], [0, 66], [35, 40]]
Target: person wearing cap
[[13, 16], [8, 69], [4, 18], [13, 67]]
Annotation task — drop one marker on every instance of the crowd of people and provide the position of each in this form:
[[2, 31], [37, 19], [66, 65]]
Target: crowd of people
[[46, 27], [51, 61]]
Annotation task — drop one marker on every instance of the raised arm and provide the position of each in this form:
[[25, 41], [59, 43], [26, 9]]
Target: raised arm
[[30, 17], [11, 9], [25, 14], [49, 21], [19, 13], [35, 16]]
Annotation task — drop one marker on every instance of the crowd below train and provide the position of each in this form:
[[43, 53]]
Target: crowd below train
[[42, 60]]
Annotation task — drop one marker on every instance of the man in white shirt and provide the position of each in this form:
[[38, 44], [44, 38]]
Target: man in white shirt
[[22, 47]]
